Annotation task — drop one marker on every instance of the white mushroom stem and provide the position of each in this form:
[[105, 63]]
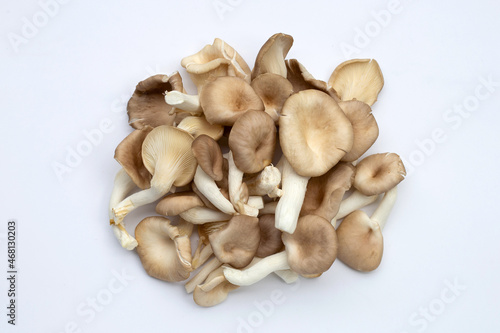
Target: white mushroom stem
[[200, 277], [355, 201], [384, 209], [287, 275], [214, 282], [256, 202], [200, 215], [266, 183], [269, 208], [294, 190], [235, 181], [184, 102], [207, 186], [202, 256], [257, 272], [123, 184]]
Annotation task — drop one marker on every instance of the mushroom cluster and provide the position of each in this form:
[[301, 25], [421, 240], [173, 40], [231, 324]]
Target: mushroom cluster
[[207, 160]]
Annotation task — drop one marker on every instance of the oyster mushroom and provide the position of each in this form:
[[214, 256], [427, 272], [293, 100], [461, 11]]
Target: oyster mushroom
[[197, 126], [273, 90], [301, 79], [378, 173], [265, 183], [271, 56], [176, 203], [270, 237], [214, 291]]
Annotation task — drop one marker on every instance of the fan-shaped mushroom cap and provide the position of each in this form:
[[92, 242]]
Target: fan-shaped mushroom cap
[[270, 237], [252, 141], [197, 126], [147, 105], [364, 126], [164, 252], [225, 99], [209, 156], [359, 79], [301, 79], [236, 243], [271, 56], [176, 203], [312, 248], [273, 90], [314, 132], [128, 154], [218, 59], [217, 294], [379, 173]]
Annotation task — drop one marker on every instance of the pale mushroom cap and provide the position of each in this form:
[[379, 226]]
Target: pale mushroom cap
[[273, 90], [164, 252], [361, 244], [237, 242], [379, 173], [209, 156], [252, 141], [271, 56], [147, 105], [176, 203], [314, 132], [128, 154], [364, 126], [270, 237], [301, 79], [197, 126], [216, 295], [312, 248], [225, 99], [167, 148], [359, 79]]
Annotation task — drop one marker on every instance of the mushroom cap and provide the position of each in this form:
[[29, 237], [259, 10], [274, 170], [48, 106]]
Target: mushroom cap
[[128, 154], [252, 141], [364, 126], [236, 243], [165, 254], [312, 248], [216, 295], [271, 56], [301, 79], [314, 132], [378, 173], [218, 59], [167, 149], [209, 156], [270, 237], [359, 79], [197, 126], [361, 244], [147, 105], [225, 99], [324, 193], [176, 203], [273, 90]]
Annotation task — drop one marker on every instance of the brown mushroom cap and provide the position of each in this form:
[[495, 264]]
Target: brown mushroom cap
[[147, 105], [225, 99], [314, 132], [271, 56], [379, 173], [359, 79], [270, 237], [252, 141], [128, 154], [364, 126], [209, 156], [237, 242], [324, 193], [176, 203], [164, 252], [301, 79], [312, 248], [216, 295], [273, 90], [361, 244]]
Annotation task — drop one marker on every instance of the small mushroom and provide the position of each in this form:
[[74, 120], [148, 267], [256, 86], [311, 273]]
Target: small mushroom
[[378, 173], [164, 252], [147, 105], [271, 56], [359, 79], [176, 203], [226, 98], [273, 90], [361, 244], [197, 126], [270, 237], [214, 291]]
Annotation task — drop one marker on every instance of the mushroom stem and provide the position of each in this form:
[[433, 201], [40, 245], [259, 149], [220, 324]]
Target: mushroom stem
[[207, 186], [202, 256], [256, 202], [214, 282], [184, 102], [200, 277], [294, 190], [266, 183], [287, 275], [200, 215], [355, 201], [384, 209], [235, 182], [257, 272]]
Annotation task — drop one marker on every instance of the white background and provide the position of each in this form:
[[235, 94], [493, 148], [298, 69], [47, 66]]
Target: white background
[[82, 65]]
